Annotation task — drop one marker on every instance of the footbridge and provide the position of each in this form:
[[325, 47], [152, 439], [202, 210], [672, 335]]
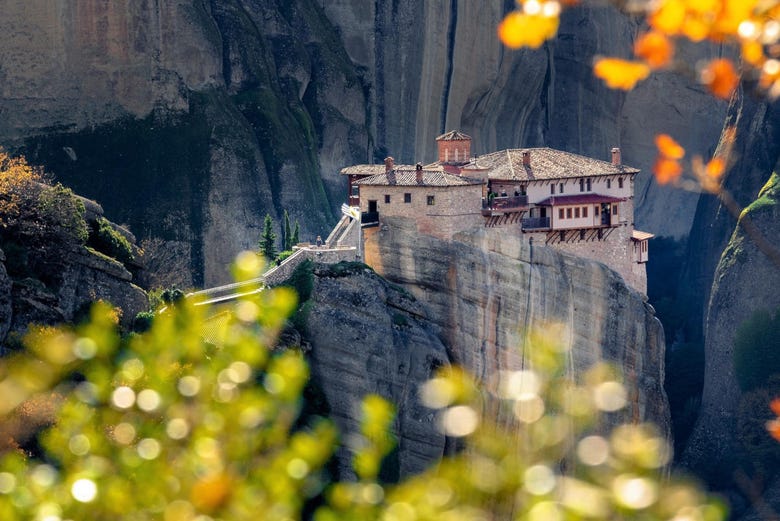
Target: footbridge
[[341, 245]]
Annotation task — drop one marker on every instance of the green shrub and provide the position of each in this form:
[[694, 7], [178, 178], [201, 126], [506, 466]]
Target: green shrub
[[143, 321], [105, 239], [283, 255], [757, 349]]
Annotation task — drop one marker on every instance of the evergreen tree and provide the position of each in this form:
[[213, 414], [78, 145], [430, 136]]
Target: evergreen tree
[[296, 234], [287, 237], [267, 240]]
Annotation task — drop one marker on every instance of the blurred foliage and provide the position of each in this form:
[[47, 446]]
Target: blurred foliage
[[757, 349], [199, 420]]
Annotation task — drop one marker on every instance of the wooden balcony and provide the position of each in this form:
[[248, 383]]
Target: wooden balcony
[[536, 223], [503, 204]]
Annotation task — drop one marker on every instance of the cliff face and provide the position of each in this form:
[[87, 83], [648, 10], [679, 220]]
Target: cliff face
[[746, 281], [486, 289], [191, 119], [468, 302], [370, 337]]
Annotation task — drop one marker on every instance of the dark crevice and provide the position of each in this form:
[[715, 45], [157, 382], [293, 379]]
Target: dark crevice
[[451, 30], [379, 23]]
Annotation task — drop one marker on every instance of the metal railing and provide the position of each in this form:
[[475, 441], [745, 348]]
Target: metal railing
[[505, 202], [535, 223]]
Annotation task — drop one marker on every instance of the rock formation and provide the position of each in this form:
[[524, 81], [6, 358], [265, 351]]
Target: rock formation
[[746, 281], [370, 337], [488, 288], [191, 119], [473, 300]]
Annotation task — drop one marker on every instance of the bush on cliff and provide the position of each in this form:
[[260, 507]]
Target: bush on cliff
[[105, 239], [45, 221], [195, 420]]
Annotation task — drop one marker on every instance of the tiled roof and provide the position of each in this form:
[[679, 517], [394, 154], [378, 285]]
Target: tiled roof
[[370, 169], [564, 200], [453, 135], [546, 163], [408, 177], [641, 236]]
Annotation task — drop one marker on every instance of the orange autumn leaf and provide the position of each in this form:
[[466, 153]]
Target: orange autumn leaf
[[775, 406], [666, 170], [668, 147], [773, 426], [720, 77], [523, 30], [620, 74], [715, 168], [655, 48]]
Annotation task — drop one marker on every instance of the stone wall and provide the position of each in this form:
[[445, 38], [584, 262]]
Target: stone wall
[[454, 208], [322, 254]]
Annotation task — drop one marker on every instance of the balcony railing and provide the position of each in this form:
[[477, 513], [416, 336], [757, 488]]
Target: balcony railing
[[535, 223], [505, 203]]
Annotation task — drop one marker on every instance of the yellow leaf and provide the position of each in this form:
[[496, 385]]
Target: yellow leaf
[[523, 30], [668, 17], [753, 53], [620, 74]]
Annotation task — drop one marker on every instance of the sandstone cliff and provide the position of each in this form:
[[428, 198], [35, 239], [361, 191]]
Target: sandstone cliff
[[192, 119], [746, 280], [473, 299], [370, 337]]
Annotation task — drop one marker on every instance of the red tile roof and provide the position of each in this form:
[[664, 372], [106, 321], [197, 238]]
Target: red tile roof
[[546, 164], [408, 177], [370, 169], [566, 200], [453, 135]]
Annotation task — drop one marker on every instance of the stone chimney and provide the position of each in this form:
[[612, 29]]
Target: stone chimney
[[389, 164], [526, 158], [616, 160], [419, 172]]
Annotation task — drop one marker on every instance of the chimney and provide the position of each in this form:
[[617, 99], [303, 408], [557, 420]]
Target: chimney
[[389, 164], [419, 172], [526, 158], [616, 157]]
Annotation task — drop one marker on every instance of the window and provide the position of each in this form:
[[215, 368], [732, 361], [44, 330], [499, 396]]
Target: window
[[560, 188], [588, 186], [620, 182], [355, 191], [584, 211], [407, 197], [431, 200], [614, 209], [560, 213], [563, 235], [582, 234], [577, 213], [568, 213], [596, 210], [387, 198], [609, 183], [552, 189], [582, 185]]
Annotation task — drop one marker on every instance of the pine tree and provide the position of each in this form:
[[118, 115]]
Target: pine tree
[[296, 235], [267, 240], [287, 237]]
